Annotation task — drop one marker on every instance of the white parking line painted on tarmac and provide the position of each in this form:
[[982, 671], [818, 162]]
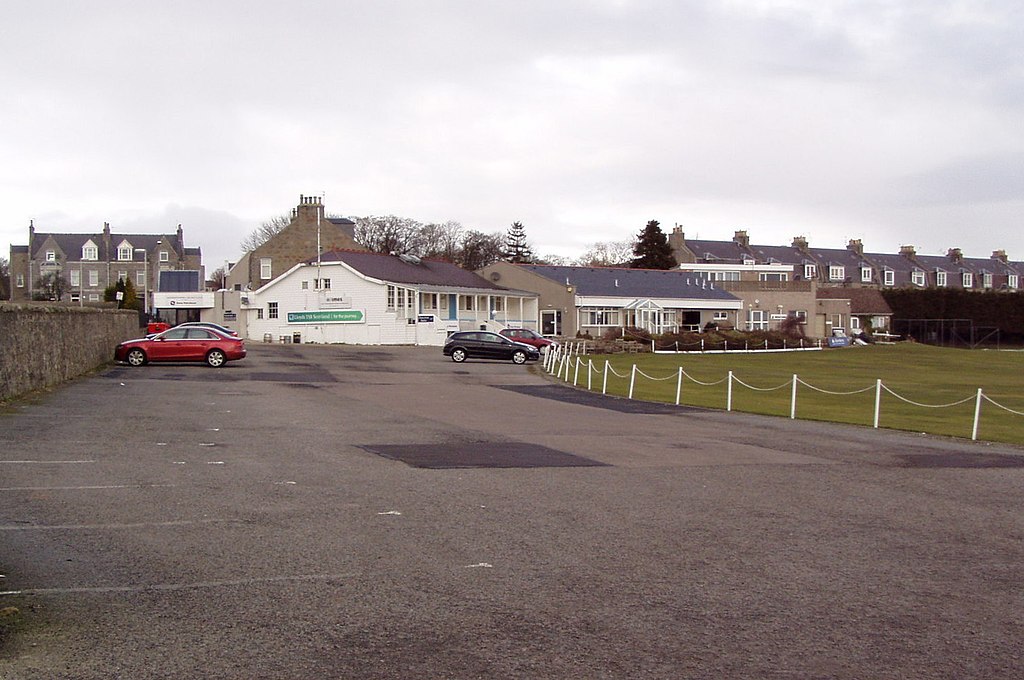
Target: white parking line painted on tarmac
[[93, 527], [47, 462], [86, 488], [180, 586]]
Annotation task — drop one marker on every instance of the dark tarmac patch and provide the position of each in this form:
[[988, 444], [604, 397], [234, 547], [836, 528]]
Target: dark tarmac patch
[[584, 398], [479, 455], [960, 460]]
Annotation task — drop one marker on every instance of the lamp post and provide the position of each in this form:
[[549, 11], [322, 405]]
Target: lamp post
[[145, 285]]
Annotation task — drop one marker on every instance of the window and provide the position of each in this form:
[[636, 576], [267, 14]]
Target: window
[[392, 294], [810, 271], [90, 252], [986, 280], [259, 313], [866, 274], [20, 281], [122, 275], [838, 273], [165, 257], [271, 310], [917, 277], [94, 278], [968, 280], [75, 297], [76, 278], [800, 314], [305, 285], [758, 320], [1012, 281], [428, 300], [773, 276], [498, 304], [601, 317], [466, 303], [124, 252], [889, 277], [94, 297], [322, 284], [266, 271], [720, 315], [854, 323], [940, 279], [140, 277], [725, 276], [51, 255], [400, 300]]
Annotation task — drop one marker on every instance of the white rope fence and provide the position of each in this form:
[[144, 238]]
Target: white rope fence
[[566, 359]]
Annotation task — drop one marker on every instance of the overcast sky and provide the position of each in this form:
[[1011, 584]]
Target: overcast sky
[[893, 122]]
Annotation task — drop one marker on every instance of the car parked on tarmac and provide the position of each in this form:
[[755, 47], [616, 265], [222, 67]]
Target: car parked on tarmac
[[486, 345], [209, 324], [528, 337], [182, 344]]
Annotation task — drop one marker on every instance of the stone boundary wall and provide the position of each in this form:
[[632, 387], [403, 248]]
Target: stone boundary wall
[[45, 345]]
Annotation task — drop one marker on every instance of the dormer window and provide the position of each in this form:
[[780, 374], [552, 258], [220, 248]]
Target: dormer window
[[165, 256], [968, 279], [810, 271], [940, 278], [889, 277], [865, 274], [90, 251], [836, 273], [1011, 281], [917, 277], [748, 262], [51, 255], [986, 280], [124, 251]]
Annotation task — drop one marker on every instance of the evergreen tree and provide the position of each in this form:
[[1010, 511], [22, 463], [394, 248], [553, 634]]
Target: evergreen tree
[[131, 300], [652, 250], [516, 248]]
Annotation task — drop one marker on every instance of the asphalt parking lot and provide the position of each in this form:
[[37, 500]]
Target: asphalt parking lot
[[358, 512]]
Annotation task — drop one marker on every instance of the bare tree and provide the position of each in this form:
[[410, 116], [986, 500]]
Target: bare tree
[[219, 277], [441, 240], [51, 286], [264, 233], [480, 249], [607, 254], [388, 234]]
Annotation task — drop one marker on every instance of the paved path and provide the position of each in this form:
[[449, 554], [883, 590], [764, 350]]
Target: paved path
[[345, 512]]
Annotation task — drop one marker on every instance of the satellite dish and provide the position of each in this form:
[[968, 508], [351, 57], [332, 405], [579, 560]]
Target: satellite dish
[[495, 276]]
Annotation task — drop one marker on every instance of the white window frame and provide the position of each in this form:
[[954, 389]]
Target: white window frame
[[273, 310], [140, 277], [19, 281], [90, 252], [601, 317], [720, 315], [467, 303], [810, 271], [761, 324], [304, 285], [165, 256], [266, 267], [429, 301], [889, 277], [122, 275], [967, 279], [124, 252], [940, 279], [986, 280], [76, 277], [392, 296], [1012, 281], [866, 274], [94, 278], [51, 255], [836, 272], [854, 323], [918, 278], [94, 297]]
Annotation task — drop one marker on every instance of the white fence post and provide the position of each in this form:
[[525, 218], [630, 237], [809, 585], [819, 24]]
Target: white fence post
[[632, 381], [604, 383], [576, 372], [679, 386], [590, 367], [792, 405], [878, 400], [728, 394], [977, 416]]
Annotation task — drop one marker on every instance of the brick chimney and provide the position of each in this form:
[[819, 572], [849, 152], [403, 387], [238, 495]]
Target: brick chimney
[[1000, 255], [955, 254], [800, 243], [908, 251], [740, 238], [855, 245], [309, 209]]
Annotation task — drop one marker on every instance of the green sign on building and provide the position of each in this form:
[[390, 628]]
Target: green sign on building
[[328, 316]]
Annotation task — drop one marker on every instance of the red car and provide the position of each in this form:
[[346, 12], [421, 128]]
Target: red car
[[527, 337], [182, 344]]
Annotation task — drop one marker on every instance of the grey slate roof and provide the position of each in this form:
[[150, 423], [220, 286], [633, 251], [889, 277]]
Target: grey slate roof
[[394, 269], [633, 283], [71, 244], [717, 252]]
